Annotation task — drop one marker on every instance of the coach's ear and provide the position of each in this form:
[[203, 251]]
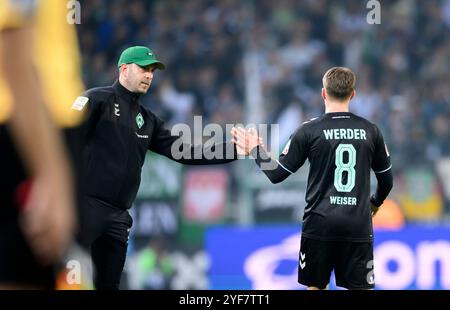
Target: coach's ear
[[123, 70], [353, 94], [324, 94]]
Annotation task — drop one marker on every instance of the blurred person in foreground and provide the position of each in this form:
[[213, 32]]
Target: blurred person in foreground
[[39, 79], [342, 148], [117, 134]]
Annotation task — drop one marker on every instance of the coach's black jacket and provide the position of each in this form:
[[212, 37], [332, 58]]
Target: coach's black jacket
[[117, 133]]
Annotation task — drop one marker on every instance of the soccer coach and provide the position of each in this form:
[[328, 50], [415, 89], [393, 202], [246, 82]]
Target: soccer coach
[[117, 132]]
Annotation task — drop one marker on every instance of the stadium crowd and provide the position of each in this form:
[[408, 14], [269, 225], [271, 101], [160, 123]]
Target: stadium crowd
[[401, 64]]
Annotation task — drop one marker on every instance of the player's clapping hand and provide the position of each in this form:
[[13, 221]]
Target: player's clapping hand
[[245, 140]]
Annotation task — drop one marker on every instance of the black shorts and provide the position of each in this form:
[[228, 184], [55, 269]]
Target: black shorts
[[352, 263]]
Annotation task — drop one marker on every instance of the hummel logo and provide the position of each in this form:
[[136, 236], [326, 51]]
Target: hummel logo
[[116, 109], [302, 262]]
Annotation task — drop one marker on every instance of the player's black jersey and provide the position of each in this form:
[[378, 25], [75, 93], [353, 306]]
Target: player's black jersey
[[341, 148]]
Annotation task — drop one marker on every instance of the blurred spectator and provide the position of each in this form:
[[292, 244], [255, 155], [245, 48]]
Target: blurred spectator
[[151, 267]]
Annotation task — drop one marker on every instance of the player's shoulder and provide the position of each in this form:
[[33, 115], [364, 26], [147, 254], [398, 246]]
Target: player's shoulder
[[311, 121], [366, 123], [306, 127], [309, 124]]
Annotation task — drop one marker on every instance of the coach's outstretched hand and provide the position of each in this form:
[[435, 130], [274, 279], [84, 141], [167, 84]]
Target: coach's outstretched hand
[[245, 140]]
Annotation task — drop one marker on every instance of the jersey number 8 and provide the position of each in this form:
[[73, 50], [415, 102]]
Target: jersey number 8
[[342, 167]]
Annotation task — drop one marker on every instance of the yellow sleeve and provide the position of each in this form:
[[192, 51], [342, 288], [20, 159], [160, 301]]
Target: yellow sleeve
[[13, 14], [56, 56], [60, 78], [16, 13]]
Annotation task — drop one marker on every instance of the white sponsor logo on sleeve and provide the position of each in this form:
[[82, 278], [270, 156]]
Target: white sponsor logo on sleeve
[[79, 103]]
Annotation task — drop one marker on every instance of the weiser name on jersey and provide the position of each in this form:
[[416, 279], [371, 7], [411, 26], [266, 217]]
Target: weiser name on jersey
[[337, 200]]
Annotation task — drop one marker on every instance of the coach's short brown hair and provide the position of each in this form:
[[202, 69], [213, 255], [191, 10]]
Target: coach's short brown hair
[[339, 83]]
